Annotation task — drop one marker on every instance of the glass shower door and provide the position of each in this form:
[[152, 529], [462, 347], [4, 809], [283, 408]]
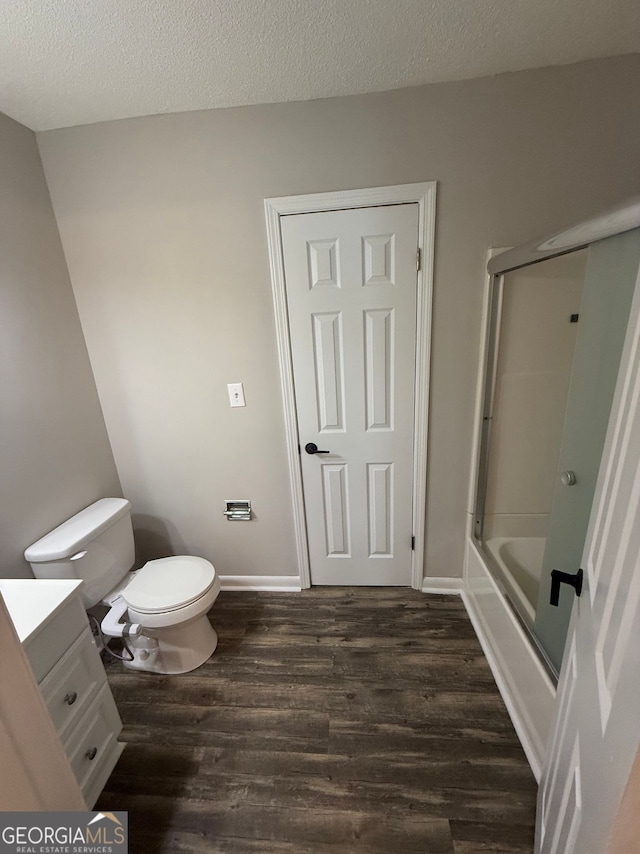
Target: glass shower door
[[612, 271]]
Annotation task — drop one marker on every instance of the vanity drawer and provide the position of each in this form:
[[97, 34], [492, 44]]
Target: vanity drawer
[[94, 738], [45, 648], [73, 683]]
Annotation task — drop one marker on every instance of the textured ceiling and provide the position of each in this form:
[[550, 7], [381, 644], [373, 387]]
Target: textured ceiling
[[67, 62]]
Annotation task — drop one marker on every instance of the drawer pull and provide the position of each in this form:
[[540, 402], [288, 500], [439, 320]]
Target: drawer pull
[[91, 754], [71, 698]]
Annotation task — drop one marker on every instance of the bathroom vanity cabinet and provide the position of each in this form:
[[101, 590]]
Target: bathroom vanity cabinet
[[53, 627]]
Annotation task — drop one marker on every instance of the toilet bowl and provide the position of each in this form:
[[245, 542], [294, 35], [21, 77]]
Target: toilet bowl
[[160, 610]]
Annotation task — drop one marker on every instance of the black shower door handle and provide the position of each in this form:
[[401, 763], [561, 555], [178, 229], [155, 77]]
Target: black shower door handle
[[558, 578]]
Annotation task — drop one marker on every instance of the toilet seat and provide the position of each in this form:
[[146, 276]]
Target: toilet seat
[[168, 584]]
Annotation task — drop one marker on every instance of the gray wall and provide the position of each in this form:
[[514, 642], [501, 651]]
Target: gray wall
[[162, 223], [55, 456]]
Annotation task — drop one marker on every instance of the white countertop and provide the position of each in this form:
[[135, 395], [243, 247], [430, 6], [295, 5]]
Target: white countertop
[[32, 602]]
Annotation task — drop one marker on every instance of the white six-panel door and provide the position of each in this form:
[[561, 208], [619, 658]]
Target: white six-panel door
[[597, 729], [351, 293]]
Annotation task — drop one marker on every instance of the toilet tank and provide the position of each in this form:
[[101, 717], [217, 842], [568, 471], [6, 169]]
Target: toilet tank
[[96, 546]]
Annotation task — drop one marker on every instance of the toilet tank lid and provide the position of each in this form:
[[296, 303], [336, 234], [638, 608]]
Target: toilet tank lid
[[71, 536]]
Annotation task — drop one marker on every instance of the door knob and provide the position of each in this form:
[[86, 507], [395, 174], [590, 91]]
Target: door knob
[[568, 478], [312, 448], [558, 578]]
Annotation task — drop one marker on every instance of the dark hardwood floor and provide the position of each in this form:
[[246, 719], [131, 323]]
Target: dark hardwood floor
[[335, 720]]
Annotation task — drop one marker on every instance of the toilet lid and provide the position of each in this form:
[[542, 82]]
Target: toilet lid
[[169, 583]]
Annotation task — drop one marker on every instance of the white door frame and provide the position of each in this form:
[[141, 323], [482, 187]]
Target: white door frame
[[424, 195]]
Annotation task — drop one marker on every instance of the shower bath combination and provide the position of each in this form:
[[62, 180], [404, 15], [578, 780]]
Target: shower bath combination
[[558, 314]]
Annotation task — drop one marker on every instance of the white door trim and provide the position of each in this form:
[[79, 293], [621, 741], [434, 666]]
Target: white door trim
[[424, 194]]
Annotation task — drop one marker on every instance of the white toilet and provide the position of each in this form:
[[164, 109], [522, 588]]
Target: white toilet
[[159, 610]]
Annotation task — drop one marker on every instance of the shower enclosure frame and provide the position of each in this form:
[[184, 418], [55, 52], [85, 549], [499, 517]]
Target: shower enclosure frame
[[615, 221]]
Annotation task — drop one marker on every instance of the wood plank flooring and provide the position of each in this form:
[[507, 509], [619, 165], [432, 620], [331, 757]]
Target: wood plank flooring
[[340, 720]]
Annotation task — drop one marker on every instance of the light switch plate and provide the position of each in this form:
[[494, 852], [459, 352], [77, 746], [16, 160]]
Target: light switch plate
[[236, 394]]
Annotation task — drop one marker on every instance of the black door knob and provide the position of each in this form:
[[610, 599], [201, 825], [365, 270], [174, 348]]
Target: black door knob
[[312, 448]]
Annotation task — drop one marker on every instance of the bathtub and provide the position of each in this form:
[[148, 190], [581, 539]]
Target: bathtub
[[520, 563]]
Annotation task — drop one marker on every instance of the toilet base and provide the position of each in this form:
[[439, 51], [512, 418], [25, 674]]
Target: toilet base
[[174, 649]]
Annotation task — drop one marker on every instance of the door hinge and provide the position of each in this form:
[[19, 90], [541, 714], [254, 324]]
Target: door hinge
[[418, 260], [413, 544]]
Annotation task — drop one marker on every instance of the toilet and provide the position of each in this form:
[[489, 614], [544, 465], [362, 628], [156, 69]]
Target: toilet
[[160, 610]]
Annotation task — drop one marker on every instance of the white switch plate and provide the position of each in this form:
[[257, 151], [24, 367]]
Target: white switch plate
[[236, 394]]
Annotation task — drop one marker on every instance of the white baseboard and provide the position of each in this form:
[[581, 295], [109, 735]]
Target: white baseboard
[[443, 585], [523, 682], [273, 583]]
